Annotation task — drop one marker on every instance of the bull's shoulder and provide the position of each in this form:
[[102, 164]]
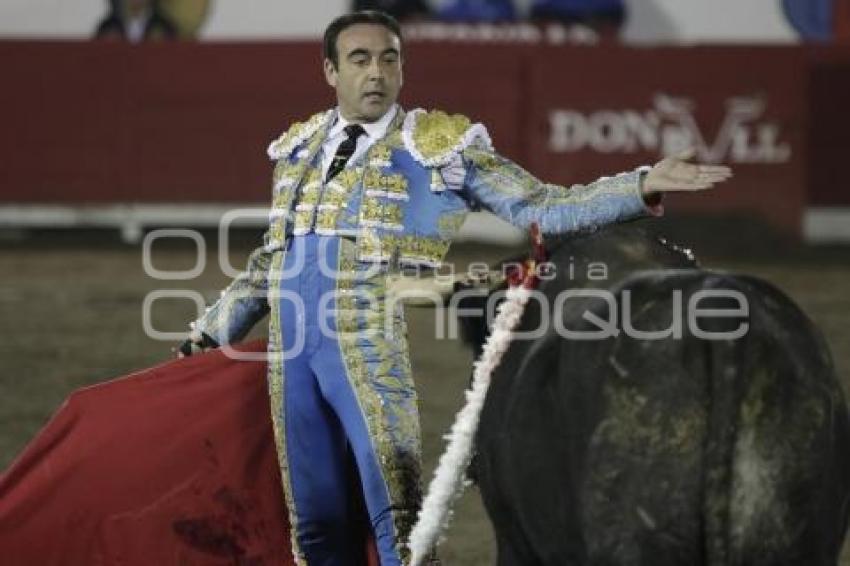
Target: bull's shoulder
[[434, 137], [297, 134]]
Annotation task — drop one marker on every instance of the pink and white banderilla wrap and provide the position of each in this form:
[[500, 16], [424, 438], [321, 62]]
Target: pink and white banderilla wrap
[[448, 482]]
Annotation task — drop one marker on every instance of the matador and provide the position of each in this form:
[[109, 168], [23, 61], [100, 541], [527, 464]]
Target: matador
[[358, 192]]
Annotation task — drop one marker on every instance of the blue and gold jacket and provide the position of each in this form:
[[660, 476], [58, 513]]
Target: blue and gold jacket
[[405, 200]]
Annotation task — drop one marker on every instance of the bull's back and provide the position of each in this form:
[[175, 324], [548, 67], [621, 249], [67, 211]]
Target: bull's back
[[634, 450], [778, 456]]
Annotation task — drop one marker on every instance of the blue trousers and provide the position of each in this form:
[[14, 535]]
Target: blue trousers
[[345, 394]]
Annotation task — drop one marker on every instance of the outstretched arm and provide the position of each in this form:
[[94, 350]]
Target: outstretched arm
[[509, 191]]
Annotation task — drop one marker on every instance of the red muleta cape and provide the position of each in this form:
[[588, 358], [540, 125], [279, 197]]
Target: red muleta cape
[[171, 465]]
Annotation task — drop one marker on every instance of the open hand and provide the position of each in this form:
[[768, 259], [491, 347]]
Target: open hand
[[676, 174]]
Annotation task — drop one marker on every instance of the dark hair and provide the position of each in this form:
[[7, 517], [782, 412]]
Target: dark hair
[[336, 27]]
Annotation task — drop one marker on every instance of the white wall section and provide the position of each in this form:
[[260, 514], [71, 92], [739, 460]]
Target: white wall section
[[271, 19], [707, 21], [50, 18]]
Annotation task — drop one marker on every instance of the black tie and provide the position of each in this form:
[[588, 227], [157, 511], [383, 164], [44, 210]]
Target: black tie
[[345, 150]]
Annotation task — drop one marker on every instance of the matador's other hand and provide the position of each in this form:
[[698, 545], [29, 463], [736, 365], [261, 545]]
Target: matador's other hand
[[197, 343], [676, 174]]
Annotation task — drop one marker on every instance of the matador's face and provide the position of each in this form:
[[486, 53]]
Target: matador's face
[[368, 77]]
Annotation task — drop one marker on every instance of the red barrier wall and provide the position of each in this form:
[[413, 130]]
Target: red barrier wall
[[828, 116], [184, 122], [741, 106], [106, 123]]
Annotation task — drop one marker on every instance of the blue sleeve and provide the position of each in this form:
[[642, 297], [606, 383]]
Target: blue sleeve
[[499, 185], [242, 304]]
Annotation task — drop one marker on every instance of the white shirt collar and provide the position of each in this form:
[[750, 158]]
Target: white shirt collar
[[374, 130]]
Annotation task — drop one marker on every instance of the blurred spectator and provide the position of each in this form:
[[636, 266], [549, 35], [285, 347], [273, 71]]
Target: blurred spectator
[[135, 21], [819, 20], [811, 18], [402, 10], [474, 11], [596, 14]]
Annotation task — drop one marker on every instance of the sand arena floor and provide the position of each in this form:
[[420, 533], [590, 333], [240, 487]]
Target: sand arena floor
[[71, 311]]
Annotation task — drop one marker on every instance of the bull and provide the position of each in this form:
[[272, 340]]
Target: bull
[[699, 444]]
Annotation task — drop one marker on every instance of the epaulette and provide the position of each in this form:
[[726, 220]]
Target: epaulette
[[297, 134], [433, 138]]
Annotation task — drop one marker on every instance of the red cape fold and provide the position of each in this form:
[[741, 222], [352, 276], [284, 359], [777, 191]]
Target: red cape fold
[[171, 465]]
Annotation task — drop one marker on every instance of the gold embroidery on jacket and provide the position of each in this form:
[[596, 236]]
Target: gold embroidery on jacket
[[436, 133], [387, 215], [378, 369], [378, 184], [419, 249], [297, 134], [371, 247], [275, 377]]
